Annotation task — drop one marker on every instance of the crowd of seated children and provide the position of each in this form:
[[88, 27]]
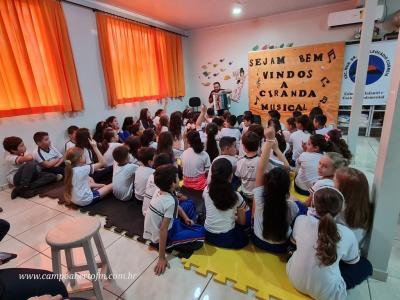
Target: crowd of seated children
[[22, 170], [80, 188], [195, 163], [307, 163], [159, 160], [46, 155], [146, 156], [123, 174], [71, 131], [169, 222]]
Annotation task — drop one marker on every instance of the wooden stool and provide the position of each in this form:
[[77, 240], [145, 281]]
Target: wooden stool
[[78, 233]]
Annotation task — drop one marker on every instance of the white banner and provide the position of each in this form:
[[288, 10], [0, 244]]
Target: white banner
[[381, 58]]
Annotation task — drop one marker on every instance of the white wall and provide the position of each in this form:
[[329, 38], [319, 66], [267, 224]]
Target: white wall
[[234, 41], [83, 35]]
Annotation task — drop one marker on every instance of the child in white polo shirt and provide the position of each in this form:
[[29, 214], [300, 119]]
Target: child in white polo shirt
[[144, 171], [123, 174], [299, 137], [162, 225], [71, 130], [48, 156]]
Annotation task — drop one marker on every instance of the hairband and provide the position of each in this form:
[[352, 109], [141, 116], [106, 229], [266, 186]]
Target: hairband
[[327, 187], [68, 162]]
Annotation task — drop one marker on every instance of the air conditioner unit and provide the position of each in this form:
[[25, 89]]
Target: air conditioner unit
[[352, 16]]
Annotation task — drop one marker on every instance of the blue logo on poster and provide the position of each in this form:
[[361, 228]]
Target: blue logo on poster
[[376, 68]]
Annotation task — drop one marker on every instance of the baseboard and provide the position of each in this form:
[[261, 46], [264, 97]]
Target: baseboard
[[380, 275]]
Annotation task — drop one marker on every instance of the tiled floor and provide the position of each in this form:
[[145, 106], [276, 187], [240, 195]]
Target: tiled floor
[[31, 219]]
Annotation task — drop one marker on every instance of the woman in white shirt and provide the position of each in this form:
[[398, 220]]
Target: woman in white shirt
[[226, 218], [273, 211], [326, 262], [195, 163], [308, 162]]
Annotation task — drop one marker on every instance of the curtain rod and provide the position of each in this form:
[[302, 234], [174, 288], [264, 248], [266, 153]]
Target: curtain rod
[[125, 18]]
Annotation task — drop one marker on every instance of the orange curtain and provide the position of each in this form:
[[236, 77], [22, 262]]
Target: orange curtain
[[37, 70], [139, 61]]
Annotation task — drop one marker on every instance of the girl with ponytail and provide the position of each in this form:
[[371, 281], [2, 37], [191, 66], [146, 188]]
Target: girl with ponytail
[[195, 163], [107, 146], [339, 145], [326, 262], [273, 211], [80, 189], [223, 206], [307, 163], [211, 145]]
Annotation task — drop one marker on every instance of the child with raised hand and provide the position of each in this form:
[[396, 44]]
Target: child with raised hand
[[22, 169], [326, 262], [80, 189], [357, 212], [162, 225], [273, 211], [308, 162], [226, 221], [123, 174]]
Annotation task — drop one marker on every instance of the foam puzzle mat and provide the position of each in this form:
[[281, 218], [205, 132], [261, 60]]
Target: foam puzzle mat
[[248, 268]]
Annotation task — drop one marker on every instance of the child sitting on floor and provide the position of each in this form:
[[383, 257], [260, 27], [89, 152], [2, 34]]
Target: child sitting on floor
[[230, 130], [148, 138], [123, 174], [133, 144], [247, 165], [107, 146], [246, 122], [223, 206], [71, 130], [22, 169], [299, 137], [162, 225], [195, 163], [326, 262], [48, 156], [339, 145], [151, 188], [142, 174], [291, 127], [227, 144], [319, 125], [273, 211], [127, 129], [308, 164], [80, 189]]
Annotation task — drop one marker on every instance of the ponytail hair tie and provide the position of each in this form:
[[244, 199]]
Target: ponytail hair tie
[[68, 162]]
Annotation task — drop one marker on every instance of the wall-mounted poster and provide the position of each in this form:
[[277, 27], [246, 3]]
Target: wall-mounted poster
[[298, 78], [381, 58]]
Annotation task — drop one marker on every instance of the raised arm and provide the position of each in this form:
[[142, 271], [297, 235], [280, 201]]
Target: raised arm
[[201, 117], [100, 157], [266, 152]]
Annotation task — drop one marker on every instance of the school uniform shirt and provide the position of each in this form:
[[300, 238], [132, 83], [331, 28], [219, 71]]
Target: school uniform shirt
[[108, 155], [123, 179], [220, 221], [292, 212], [246, 170], [134, 160], [164, 129], [41, 155], [156, 121], [88, 156], [194, 164], [162, 205], [321, 183], [297, 139], [151, 189], [304, 269], [286, 134], [232, 159], [244, 128], [308, 170], [359, 233], [82, 194], [142, 174], [232, 132], [11, 166], [153, 145], [68, 145]]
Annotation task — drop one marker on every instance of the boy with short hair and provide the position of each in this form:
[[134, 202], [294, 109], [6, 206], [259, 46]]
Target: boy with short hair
[[162, 225], [142, 174], [22, 170], [247, 165], [48, 156], [159, 160], [319, 125], [230, 130], [227, 144], [247, 121], [123, 174], [71, 130]]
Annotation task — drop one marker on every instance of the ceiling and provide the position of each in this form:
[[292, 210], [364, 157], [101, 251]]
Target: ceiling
[[194, 14]]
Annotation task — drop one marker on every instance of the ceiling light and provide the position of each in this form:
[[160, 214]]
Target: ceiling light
[[237, 10]]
